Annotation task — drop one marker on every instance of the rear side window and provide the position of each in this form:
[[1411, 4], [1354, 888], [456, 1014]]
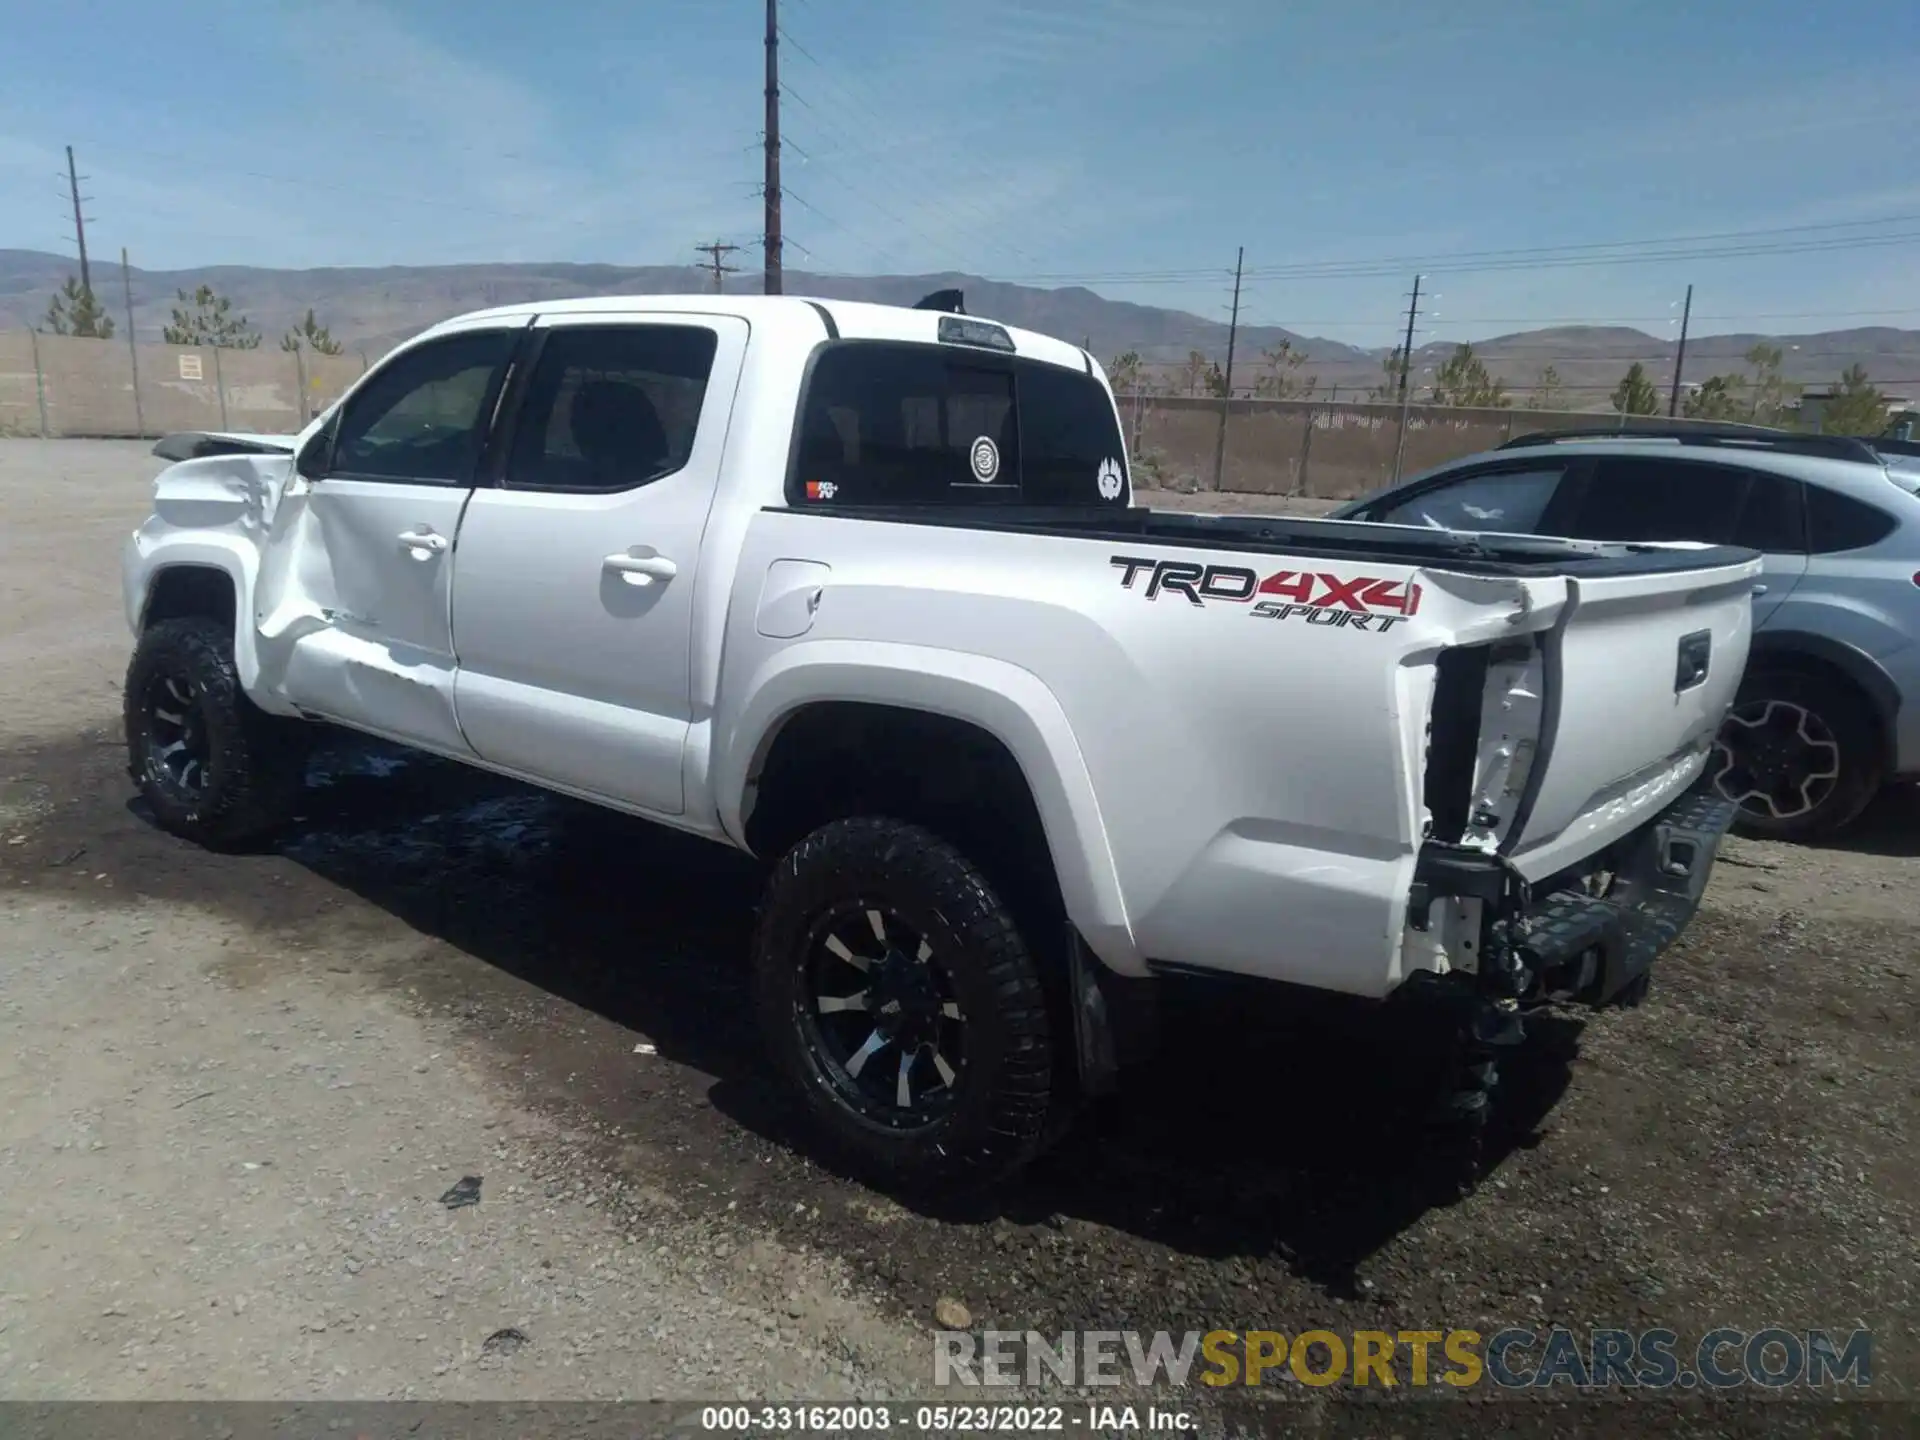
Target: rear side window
[[1507, 501], [1633, 499], [1840, 522], [1774, 518], [612, 408], [903, 424]]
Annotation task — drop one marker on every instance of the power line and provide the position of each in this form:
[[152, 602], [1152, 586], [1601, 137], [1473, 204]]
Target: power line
[[955, 217], [878, 123]]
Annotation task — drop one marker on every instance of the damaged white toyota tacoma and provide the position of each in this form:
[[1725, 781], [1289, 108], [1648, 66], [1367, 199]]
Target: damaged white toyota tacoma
[[862, 590]]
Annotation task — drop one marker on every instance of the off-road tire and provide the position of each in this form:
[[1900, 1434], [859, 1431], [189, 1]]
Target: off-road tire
[[1847, 718], [255, 762], [1000, 1106]]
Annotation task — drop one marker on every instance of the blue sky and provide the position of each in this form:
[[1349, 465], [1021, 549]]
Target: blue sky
[[1127, 144]]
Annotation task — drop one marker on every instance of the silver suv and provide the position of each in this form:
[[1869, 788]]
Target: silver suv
[[1830, 707]]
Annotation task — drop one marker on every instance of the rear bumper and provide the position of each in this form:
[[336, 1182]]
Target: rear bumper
[[1586, 933], [1586, 950]]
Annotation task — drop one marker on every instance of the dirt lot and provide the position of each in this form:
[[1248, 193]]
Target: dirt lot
[[235, 1088]]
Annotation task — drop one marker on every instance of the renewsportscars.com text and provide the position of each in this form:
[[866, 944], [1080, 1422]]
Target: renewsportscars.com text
[[1773, 1358]]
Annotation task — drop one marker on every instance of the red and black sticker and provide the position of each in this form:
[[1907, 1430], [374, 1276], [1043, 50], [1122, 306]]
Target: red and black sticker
[[1353, 602]]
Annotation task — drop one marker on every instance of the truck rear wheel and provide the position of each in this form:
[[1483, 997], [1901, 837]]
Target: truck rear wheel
[[903, 1007], [215, 768]]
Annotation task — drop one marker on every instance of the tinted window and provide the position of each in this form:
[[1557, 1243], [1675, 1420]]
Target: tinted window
[[1069, 440], [1840, 522], [1502, 500], [424, 416], [903, 424], [1774, 517], [1635, 499], [609, 409]]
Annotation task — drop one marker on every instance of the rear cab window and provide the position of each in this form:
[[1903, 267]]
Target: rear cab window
[[886, 423]]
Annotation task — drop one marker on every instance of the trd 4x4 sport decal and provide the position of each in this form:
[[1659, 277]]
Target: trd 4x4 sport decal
[[1352, 602]]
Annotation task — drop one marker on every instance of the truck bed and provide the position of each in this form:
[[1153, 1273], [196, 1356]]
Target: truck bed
[[1470, 554], [1267, 717]]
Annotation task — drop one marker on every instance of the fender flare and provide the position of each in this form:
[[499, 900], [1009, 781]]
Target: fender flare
[[1008, 702], [233, 557]]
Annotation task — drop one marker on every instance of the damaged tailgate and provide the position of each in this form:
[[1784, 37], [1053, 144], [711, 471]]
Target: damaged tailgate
[[1591, 726]]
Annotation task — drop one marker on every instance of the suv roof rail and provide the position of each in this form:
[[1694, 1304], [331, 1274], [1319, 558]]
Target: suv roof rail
[[1832, 447]]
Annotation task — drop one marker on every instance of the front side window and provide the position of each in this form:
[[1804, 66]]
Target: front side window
[[611, 408], [1504, 501], [885, 423], [424, 417]]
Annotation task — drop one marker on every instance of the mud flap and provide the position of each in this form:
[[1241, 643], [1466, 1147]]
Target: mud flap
[[1096, 1053]]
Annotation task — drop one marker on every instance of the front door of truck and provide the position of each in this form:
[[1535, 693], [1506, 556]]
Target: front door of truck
[[576, 586], [374, 555]]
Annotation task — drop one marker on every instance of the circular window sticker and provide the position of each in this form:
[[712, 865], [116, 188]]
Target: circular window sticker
[[1110, 481], [985, 459]]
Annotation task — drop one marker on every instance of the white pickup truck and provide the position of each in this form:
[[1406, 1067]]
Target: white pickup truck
[[862, 590]]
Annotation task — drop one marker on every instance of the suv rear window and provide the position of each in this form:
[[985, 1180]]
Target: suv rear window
[[1840, 522], [886, 423]]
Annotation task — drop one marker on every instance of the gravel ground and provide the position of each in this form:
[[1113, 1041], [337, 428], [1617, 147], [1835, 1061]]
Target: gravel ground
[[235, 1090]]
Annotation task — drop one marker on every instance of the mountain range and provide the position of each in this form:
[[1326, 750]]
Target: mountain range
[[372, 308]]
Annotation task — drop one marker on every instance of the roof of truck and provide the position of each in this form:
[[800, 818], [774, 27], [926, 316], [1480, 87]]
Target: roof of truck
[[839, 319]]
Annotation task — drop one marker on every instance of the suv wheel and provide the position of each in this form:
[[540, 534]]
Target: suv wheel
[[214, 767], [903, 1007], [1799, 756]]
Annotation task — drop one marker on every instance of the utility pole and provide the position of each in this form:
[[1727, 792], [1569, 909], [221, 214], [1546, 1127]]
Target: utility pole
[[1226, 397], [80, 224], [772, 285], [133, 351], [716, 252], [1680, 358], [1406, 379]]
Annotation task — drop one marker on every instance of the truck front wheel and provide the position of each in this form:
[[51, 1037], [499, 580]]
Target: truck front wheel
[[214, 768], [903, 1007]]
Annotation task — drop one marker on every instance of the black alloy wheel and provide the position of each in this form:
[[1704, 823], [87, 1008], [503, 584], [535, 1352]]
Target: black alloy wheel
[[881, 1015]]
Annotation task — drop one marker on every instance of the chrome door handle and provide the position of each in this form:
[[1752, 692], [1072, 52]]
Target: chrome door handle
[[640, 566], [422, 544]]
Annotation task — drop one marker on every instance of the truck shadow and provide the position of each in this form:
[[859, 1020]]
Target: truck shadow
[[1264, 1127]]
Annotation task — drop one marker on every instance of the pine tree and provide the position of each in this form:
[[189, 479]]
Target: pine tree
[[75, 311], [205, 318]]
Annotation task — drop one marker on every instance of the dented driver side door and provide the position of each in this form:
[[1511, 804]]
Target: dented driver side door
[[374, 559]]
